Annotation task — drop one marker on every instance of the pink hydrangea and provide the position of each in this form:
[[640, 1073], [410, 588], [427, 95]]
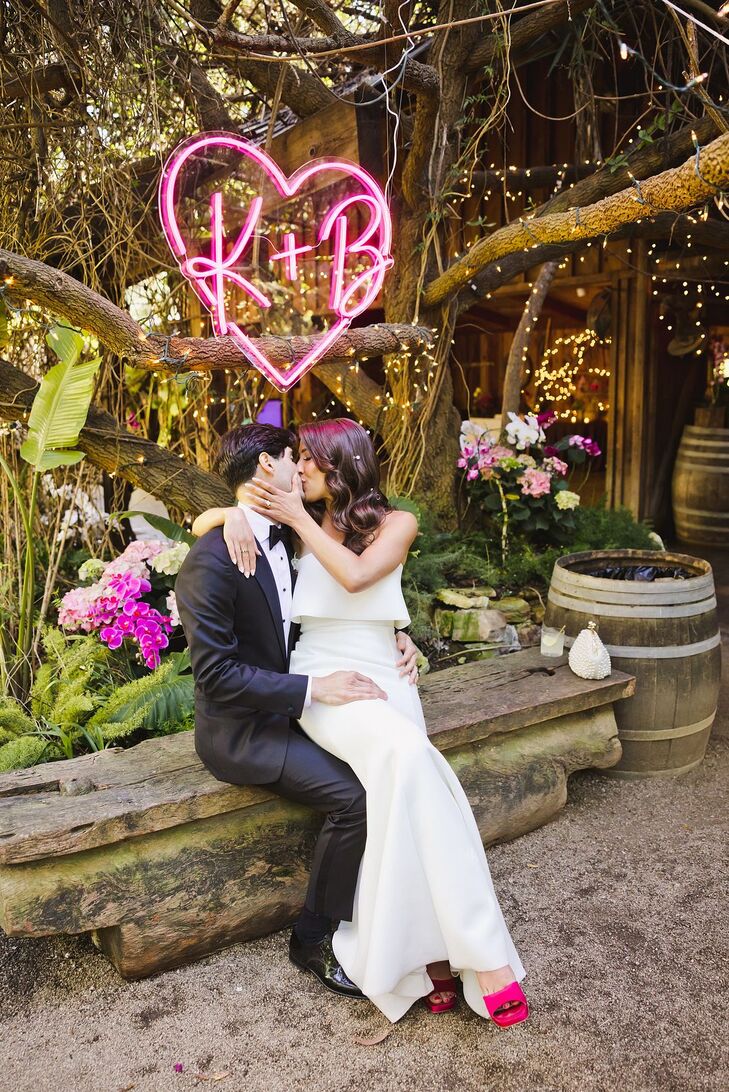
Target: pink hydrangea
[[535, 483], [142, 551], [78, 608]]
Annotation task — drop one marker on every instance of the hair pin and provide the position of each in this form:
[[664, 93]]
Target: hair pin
[[358, 457]]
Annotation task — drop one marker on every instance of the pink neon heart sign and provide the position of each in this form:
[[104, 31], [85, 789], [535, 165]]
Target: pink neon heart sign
[[352, 289]]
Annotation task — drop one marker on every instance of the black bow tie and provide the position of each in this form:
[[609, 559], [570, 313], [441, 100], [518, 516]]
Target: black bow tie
[[279, 534]]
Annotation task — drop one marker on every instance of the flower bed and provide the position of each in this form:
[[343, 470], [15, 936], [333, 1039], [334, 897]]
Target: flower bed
[[522, 485]]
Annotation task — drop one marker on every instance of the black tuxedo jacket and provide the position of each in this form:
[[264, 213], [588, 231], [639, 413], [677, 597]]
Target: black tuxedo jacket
[[244, 697]]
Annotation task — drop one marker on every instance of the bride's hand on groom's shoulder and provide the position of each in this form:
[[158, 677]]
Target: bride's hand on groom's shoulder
[[277, 504], [240, 540]]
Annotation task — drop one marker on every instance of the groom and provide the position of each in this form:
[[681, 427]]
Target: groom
[[246, 703]]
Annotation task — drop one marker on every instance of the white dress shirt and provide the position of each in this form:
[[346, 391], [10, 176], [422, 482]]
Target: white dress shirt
[[279, 562]]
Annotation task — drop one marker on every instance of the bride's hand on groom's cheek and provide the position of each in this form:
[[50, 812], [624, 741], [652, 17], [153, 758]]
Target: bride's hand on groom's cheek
[[277, 504]]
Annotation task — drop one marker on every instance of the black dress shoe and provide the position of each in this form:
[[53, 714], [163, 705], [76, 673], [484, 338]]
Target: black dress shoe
[[320, 960]]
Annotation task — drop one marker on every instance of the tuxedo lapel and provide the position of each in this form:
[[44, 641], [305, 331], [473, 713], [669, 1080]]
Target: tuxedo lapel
[[265, 578], [294, 628]]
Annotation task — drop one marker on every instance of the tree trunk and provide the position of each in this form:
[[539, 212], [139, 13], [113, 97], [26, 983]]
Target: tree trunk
[[516, 364]]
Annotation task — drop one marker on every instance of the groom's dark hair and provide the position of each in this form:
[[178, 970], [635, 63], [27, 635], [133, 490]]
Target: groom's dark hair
[[237, 454]]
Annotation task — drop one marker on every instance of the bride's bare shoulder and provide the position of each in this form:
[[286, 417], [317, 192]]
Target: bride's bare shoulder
[[405, 522]]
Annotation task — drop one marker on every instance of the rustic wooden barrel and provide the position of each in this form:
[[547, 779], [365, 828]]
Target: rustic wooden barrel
[[701, 486], [666, 633]]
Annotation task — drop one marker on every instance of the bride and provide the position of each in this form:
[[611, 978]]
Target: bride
[[425, 904]]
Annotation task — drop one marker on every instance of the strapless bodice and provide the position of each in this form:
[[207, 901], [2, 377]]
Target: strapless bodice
[[318, 595]]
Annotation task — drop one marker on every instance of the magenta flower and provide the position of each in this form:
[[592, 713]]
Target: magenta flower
[[111, 636], [546, 418], [127, 584]]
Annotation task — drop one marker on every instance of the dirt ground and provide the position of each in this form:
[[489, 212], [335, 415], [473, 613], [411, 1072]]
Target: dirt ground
[[618, 908]]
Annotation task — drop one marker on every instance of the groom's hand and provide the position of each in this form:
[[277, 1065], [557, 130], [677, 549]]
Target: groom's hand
[[341, 687]]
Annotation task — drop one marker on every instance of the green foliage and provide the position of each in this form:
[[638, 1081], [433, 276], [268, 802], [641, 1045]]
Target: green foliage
[[166, 526], [161, 697], [454, 559], [61, 405], [602, 528], [85, 697], [14, 721], [22, 752]]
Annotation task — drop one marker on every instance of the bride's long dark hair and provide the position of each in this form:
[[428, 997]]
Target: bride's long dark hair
[[345, 454]]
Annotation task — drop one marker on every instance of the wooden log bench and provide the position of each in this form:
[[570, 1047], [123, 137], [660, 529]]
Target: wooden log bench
[[163, 864]]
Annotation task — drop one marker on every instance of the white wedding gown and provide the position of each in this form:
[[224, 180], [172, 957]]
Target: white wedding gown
[[424, 891]]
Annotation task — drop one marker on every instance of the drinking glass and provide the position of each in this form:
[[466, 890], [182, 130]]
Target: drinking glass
[[552, 643]]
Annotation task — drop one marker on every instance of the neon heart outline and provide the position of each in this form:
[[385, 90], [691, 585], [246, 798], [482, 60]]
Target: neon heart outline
[[217, 268]]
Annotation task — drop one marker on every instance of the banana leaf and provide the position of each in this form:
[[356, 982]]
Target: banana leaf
[[61, 405], [160, 523]]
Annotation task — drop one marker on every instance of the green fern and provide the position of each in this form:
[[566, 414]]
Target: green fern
[[13, 720], [150, 702], [42, 690], [23, 752], [74, 705]]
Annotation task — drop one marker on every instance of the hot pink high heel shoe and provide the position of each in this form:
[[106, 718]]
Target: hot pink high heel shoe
[[442, 985], [514, 1015]]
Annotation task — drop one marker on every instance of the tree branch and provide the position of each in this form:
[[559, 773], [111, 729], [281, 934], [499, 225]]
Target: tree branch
[[525, 31], [419, 78], [121, 452], [58, 294], [674, 190], [516, 364], [642, 163]]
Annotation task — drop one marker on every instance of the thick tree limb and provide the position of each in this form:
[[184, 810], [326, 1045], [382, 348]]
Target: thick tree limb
[[58, 294], [419, 78], [41, 81], [646, 161], [121, 452], [674, 190], [525, 31]]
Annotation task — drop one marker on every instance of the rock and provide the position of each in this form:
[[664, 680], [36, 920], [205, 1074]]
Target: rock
[[513, 607], [466, 598], [471, 625], [530, 634]]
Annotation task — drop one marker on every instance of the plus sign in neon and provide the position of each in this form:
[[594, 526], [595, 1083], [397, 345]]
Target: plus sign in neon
[[289, 252]]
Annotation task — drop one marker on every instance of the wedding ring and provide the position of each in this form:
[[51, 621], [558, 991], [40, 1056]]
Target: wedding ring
[[268, 504]]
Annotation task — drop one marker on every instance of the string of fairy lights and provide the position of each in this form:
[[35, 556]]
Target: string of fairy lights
[[555, 380]]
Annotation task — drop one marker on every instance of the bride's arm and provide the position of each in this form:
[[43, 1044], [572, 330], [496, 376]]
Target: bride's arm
[[211, 517], [239, 537], [355, 573]]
